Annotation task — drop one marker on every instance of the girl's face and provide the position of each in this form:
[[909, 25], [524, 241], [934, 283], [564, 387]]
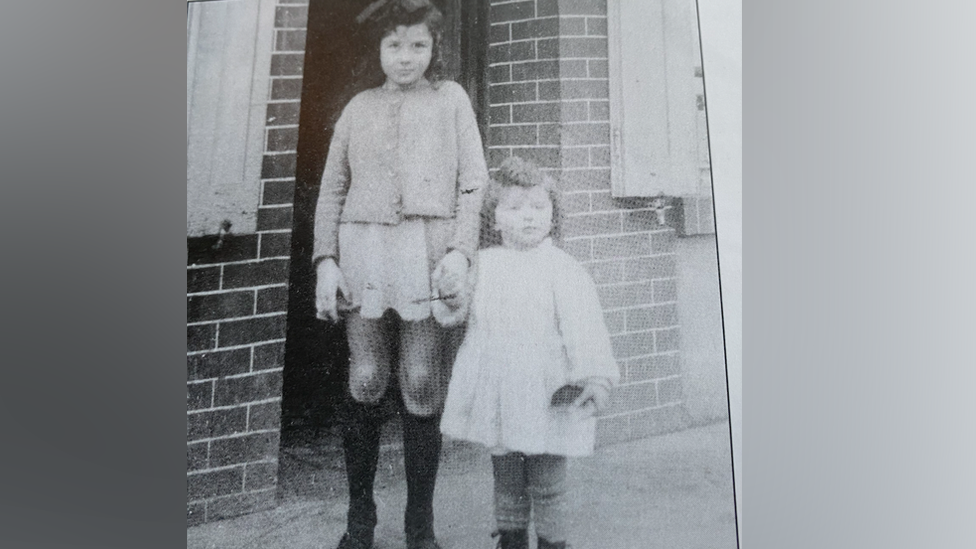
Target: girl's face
[[523, 217], [405, 54]]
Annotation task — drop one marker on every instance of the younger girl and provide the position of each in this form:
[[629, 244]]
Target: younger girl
[[535, 326], [397, 221]]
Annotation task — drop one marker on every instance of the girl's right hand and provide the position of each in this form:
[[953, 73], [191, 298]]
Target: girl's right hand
[[594, 398], [329, 282]]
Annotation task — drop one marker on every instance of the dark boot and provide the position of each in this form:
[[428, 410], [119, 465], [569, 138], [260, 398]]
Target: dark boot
[[349, 542], [512, 539], [361, 446], [421, 456], [543, 544]]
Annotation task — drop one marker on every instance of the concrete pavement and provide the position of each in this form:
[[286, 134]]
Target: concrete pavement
[[666, 492]]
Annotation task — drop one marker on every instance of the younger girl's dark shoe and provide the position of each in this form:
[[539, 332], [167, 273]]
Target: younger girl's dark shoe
[[512, 539], [543, 544]]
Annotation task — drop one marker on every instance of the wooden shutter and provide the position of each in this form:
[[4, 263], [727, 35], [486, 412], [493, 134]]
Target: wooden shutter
[[655, 94], [228, 62]]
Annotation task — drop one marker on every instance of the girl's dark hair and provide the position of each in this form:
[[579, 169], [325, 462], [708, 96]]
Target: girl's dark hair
[[517, 172], [383, 17], [374, 23]]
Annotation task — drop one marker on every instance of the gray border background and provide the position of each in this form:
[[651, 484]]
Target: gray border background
[[720, 24], [860, 144], [858, 218]]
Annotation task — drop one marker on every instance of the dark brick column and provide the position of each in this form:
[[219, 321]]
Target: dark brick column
[[549, 99]]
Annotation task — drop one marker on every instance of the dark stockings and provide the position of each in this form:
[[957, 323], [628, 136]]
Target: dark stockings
[[421, 454], [361, 445], [421, 449]]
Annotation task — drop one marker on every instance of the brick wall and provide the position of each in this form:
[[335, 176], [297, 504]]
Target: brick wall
[[236, 301], [549, 102]]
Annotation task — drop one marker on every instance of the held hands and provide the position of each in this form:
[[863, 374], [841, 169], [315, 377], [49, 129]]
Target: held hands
[[594, 398], [329, 282], [449, 277]]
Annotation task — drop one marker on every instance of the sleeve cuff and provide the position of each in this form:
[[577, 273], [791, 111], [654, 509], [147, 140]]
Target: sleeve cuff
[[320, 259], [463, 252], [605, 382]]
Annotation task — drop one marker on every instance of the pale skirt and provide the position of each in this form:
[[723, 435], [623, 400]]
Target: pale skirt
[[389, 266]]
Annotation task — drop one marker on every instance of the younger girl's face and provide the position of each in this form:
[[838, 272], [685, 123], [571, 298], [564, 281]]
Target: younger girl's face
[[405, 54], [523, 217]]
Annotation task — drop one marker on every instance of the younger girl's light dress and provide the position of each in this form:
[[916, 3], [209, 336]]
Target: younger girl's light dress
[[535, 325]]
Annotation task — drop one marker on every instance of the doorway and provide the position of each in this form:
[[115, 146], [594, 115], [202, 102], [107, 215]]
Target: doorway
[[316, 356]]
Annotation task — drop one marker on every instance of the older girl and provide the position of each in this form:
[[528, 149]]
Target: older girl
[[397, 220]]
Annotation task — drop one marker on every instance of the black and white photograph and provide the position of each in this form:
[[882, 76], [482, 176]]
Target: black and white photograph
[[453, 277]]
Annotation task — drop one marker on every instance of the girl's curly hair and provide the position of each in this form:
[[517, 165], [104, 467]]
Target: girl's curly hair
[[517, 172], [375, 22], [383, 17]]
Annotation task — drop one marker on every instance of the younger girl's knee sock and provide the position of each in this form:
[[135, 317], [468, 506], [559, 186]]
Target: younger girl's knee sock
[[546, 485], [512, 539], [512, 503]]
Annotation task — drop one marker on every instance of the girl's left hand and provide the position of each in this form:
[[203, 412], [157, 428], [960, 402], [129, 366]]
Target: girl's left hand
[[450, 274], [594, 397]]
